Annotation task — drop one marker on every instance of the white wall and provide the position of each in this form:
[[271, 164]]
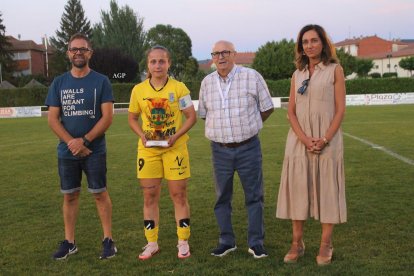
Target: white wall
[[386, 65]]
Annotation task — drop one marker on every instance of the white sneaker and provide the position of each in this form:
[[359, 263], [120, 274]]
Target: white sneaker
[[183, 249], [149, 250]]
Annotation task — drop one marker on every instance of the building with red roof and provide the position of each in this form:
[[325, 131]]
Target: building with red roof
[[386, 54], [244, 58], [30, 57]]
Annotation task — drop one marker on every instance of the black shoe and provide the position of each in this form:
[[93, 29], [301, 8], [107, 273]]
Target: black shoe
[[223, 250], [109, 249], [258, 251], [65, 249]]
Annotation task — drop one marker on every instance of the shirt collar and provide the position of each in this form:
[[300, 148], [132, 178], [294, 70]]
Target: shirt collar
[[230, 75], [320, 65]]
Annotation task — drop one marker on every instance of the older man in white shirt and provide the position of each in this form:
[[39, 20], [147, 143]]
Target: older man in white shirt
[[235, 101]]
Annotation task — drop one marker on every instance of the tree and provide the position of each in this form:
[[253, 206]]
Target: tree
[[121, 28], [73, 21], [177, 42], [117, 65], [190, 70], [6, 60], [363, 66], [407, 64], [275, 60], [347, 61]]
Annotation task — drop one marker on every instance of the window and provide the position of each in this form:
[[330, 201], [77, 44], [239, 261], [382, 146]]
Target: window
[[21, 55]]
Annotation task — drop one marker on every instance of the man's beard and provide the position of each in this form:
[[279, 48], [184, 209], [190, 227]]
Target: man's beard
[[79, 65]]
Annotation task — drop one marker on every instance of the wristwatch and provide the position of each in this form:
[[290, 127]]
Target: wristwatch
[[86, 142]]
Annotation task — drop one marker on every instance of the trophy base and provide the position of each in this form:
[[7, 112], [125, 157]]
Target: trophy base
[[156, 143]]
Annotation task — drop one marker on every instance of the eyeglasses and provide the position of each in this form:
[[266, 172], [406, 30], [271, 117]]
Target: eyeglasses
[[81, 50], [305, 84], [224, 53]]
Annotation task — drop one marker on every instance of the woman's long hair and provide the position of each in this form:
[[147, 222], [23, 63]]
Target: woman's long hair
[[328, 54]]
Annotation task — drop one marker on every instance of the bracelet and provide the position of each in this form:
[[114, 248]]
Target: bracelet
[[86, 142], [325, 141]]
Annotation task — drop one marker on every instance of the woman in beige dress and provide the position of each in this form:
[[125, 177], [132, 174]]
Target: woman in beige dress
[[313, 181]]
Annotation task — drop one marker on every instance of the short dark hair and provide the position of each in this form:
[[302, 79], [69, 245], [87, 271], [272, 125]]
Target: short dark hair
[[328, 54], [80, 36]]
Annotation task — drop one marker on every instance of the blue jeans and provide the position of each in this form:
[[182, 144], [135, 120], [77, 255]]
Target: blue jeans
[[70, 172], [247, 161]]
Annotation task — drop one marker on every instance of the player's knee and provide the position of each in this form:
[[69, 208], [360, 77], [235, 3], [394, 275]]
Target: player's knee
[[71, 198], [179, 198]]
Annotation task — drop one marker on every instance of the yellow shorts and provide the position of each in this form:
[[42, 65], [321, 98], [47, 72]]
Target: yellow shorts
[[170, 163]]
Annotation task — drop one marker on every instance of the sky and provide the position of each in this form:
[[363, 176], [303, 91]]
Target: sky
[[249, 24]]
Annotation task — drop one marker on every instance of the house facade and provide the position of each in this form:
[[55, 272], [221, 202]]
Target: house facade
[[386, 54], [30, 58]]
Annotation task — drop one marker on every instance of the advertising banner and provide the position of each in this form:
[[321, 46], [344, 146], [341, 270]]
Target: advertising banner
[[19, 112]]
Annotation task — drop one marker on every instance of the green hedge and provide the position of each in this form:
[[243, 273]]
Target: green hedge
[[372, 86], [279, 88], [375, 75], [390, 75], [122, 92], [22, 96], [37, 96]]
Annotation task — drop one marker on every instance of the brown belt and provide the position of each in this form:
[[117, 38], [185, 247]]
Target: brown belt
[[235, 145]]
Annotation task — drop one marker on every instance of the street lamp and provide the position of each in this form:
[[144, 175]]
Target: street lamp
[[389, 56]]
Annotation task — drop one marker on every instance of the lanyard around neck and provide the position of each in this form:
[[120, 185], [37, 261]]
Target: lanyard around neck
[[224, 95]]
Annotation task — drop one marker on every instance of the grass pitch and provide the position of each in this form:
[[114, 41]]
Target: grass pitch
[[376, 240]]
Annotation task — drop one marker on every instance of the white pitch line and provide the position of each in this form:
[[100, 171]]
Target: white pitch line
[[381, 148]]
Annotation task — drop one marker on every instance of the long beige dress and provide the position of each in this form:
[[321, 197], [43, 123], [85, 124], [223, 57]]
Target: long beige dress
[[313, 185]]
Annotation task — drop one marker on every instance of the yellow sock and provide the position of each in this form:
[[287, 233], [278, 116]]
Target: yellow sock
[[151, 234], [183, 233]]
